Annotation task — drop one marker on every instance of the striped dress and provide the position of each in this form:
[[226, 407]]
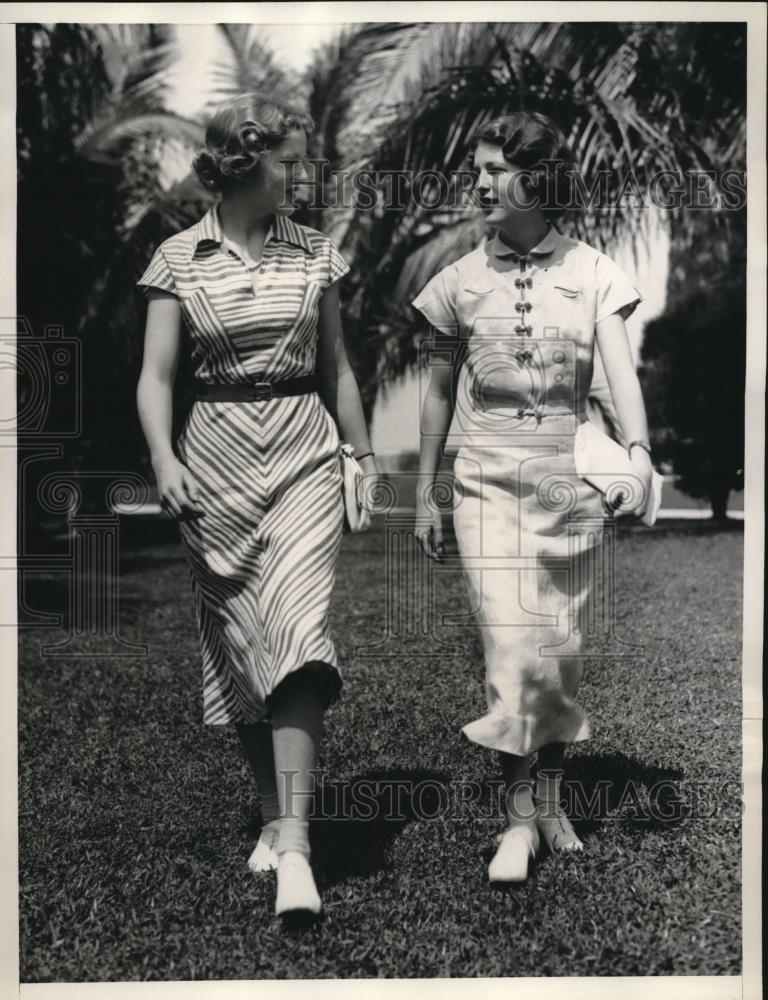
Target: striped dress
[[262, 558]]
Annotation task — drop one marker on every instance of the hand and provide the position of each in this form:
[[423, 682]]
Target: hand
[[368, 487], [179, 496], [429, 531], [635, 504]]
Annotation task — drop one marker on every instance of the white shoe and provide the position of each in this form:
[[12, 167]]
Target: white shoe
[[517, 848], [264, 855], [296, 889]]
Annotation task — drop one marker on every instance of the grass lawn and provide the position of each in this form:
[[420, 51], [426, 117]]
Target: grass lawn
[[136, 821]]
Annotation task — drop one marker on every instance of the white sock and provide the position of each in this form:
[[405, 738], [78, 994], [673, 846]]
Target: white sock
[[520, 809], [270, 833], [294, 836], [553, 823]]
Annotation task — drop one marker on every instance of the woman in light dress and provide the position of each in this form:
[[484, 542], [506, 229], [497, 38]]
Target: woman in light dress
[[530, 305]]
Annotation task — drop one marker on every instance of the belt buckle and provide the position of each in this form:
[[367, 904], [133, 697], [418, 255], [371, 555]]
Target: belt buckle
[[262, 390]]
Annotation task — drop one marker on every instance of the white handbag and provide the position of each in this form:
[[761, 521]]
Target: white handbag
[[357, 517], [604, 464]]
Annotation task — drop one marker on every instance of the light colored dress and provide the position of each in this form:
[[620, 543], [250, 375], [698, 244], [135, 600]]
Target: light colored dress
[[263, 557], [529, 529]]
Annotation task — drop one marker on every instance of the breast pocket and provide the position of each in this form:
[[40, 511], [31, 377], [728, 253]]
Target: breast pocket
[[569, 291], [565, 306], [478, 308], [478, 287]]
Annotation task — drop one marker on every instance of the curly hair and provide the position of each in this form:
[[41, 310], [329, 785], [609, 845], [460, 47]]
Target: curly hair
[[238, 132], [532, 141]]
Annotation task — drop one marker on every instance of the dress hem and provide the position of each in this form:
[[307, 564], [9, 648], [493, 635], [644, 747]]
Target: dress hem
[[326, 676], [505, 735]]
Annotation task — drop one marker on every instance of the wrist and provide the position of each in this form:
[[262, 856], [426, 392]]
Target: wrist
[[639, 444], [368, 464], [159, 458], [641, 460], [425, 488], [424, 482]]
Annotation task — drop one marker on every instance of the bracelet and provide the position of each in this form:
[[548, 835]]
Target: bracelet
[[366, 455], [638, 444]]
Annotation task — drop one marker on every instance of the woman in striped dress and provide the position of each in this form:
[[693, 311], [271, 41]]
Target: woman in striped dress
[[255, 478]]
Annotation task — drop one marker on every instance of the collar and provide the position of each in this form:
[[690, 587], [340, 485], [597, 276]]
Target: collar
[[288, 231], [208, 230], [499, 248]]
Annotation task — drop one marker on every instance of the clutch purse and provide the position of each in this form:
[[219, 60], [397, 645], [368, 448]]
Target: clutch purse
[[357, 518], [605, 465]]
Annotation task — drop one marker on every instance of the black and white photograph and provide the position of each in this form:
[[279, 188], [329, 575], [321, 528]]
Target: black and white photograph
[[383, 495]]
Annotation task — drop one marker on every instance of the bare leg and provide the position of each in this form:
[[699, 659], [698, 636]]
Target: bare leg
[[297, 721], [552, 822], [297, 727], [256, 741], [520, 841]]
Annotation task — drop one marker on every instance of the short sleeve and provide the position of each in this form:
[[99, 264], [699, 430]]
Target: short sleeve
[[615, 292], [157, 275], [437, 300], [337, 266]]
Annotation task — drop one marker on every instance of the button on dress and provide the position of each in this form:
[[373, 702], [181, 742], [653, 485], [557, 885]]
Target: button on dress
[[262, 559], [529, 529]]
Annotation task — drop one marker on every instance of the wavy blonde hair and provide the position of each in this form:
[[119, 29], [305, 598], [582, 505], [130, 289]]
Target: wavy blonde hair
[[239, 131]]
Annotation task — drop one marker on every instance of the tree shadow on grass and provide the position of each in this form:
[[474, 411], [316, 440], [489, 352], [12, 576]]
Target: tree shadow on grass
[[146, 545], [614, 788], [47, 600], [354, 821]]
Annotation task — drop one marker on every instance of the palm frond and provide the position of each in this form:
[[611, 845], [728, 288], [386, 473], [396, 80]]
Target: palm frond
[[105, 141], [245, 63], [354, 80], [444, 245], [627, 112], [139, 60]]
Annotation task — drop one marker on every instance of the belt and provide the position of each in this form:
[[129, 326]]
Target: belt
[[246, 392]]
